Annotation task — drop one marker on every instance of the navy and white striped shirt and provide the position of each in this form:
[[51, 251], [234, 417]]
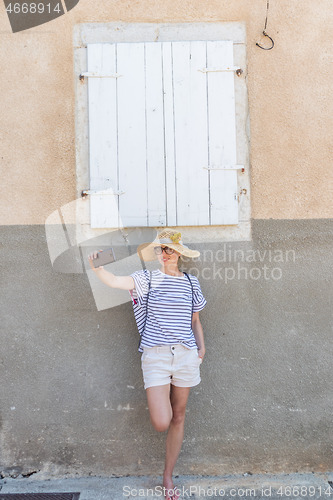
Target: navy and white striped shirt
[[169, 312]]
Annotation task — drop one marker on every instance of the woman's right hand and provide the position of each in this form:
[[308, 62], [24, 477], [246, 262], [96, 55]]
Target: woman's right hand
[[92, 256], [122, 282]]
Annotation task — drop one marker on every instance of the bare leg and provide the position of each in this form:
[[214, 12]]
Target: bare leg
[[159, 405], [167, 411], [178, 399]]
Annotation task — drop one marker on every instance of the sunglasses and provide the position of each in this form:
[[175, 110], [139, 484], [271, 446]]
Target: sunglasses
[[160, 250]]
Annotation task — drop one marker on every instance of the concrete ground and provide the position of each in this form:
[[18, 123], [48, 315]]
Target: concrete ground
[[261, 486]]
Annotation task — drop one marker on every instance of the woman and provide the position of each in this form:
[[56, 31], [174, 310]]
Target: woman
[[166, 305]]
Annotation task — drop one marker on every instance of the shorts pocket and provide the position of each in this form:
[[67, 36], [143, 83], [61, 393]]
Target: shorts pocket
[[146, 355], [200, 359]]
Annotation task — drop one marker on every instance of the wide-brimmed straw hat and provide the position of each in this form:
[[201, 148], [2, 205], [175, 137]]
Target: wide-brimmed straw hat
[[170, 238]]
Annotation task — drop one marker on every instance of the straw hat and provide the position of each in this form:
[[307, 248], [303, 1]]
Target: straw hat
[[170, 238]]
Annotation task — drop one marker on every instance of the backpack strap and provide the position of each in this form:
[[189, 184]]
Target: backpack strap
[[149, 286], [187, 276]]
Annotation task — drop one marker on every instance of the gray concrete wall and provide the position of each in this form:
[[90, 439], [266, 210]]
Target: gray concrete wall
[[72, 397]]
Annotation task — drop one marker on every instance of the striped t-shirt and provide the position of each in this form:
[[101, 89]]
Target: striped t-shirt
[[169, 312]]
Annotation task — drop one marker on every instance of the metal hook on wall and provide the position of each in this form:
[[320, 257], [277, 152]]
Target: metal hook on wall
[[265, 32], [266, 48]]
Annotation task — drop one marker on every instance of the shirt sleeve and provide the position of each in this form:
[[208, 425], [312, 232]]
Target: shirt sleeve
[[199, 300], [141, 284]]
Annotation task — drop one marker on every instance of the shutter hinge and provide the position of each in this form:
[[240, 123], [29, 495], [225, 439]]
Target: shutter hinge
[[102, 192], [93, 74], [238, 70], [225, 167]]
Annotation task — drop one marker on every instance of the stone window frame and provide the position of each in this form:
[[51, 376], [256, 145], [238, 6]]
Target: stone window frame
[[85, 33]]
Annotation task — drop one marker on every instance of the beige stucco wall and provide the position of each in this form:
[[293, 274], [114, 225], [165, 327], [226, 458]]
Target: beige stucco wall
[[290, 102], [70, 373]]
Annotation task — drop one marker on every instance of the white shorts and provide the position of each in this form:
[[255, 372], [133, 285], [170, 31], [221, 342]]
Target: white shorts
[[170, 364]]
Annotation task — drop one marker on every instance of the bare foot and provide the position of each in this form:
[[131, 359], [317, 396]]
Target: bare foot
[[169, 488]]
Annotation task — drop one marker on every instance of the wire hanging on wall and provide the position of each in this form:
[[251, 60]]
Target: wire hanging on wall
[[265, 32]]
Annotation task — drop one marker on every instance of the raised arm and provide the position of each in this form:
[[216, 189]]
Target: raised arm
[[110, 279]]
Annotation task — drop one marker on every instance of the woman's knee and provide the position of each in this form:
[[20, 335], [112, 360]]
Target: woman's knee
[[161, 424], [178, 417]]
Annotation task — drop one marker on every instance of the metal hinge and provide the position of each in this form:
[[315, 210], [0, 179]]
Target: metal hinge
[[238, 70], [93, 74], [102, 192], [225, 167]]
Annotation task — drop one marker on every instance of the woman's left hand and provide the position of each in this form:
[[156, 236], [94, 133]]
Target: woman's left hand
[[201, 352]]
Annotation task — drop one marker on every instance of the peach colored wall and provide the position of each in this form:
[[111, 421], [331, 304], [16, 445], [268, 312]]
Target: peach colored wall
[[290, 101]]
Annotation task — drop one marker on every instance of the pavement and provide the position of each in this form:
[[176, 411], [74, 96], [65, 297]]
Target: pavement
[[308, 486]]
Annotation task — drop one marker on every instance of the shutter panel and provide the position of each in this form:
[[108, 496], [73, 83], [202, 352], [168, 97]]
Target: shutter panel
[[191, 134], [102, 105], [155, 136], [132, 134], [161, 132], [222, 134], [169, 135]]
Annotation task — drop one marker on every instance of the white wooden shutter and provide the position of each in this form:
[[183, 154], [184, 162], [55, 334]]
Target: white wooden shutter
[[222, 134], [103, 146], [162, 132]]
